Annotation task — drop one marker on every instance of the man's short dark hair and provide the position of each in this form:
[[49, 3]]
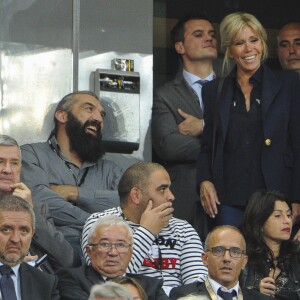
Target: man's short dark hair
[[177, 33], [10, 202], [136, 176]]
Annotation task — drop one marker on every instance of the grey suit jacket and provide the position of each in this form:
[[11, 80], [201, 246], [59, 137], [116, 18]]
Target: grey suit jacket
[[37, 285], [199, 288], [177, 152], [48, 240]]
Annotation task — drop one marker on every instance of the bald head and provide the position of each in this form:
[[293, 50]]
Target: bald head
[[289, 47]]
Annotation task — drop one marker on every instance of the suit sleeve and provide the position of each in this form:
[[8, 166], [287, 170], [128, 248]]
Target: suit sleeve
[[61, 253], [295, 137], [55, 293], [167, 142], [204, 171], [69, 287]]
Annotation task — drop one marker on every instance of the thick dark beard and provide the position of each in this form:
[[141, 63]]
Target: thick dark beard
[[89, 148]]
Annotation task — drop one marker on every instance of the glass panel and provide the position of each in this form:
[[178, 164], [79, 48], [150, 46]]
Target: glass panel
[[35, 64], [111, 29]]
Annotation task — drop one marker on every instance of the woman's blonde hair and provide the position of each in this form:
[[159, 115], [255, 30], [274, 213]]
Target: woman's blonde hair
[[232, 25]]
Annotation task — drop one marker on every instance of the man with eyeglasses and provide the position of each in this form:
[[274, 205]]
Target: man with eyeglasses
[[109, 248], [225, 257]]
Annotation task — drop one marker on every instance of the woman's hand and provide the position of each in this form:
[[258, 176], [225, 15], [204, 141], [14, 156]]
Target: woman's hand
[[209, 198], [267, 286]]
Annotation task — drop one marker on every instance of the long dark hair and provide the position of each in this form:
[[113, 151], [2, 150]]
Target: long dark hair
[[261, 205]]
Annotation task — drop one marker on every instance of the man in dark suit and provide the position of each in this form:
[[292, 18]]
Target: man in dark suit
[[18, 279], [224, 257], [288, 50], [177, 119], [109, 249]]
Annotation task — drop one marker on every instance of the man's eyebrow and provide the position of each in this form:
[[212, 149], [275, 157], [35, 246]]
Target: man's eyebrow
[[197, 31], [89, 103], [289, 42], [9, 159], [162, 186]]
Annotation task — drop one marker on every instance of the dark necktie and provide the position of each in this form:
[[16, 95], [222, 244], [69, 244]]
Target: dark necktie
[[7, 284], [201, 82], [226, 295]]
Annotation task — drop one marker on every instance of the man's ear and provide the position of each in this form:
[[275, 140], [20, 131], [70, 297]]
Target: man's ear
[[245, 262], [179, 47], [205, 259], [136, 195], [88, 251], [61, 116]]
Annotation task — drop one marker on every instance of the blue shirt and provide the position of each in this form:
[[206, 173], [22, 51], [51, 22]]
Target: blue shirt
[[192, 81]]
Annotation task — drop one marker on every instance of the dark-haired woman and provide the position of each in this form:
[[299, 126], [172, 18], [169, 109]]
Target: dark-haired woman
[[273, 257]]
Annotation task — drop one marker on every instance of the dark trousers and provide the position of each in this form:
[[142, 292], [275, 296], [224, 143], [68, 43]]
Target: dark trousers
[[230, 215]]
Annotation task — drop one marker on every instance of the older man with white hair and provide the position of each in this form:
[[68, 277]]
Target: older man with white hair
[[109, 248]]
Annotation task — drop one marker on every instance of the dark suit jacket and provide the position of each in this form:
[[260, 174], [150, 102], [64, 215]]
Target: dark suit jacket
[[280, 160], [48, 240], [76, 283], [176, 152], [37, 285], [199, 288]]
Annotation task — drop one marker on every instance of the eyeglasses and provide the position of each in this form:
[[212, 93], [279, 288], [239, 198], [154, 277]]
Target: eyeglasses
[[106, 246], [234, 252]]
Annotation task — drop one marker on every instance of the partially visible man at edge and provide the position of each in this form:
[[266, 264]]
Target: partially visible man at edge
[[288, 50], [68, 171], [288, 43]]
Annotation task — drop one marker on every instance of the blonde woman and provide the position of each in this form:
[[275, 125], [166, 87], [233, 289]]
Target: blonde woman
[[251, 138]]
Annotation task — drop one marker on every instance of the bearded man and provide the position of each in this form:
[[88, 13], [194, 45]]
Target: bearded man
[[68, 171]]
